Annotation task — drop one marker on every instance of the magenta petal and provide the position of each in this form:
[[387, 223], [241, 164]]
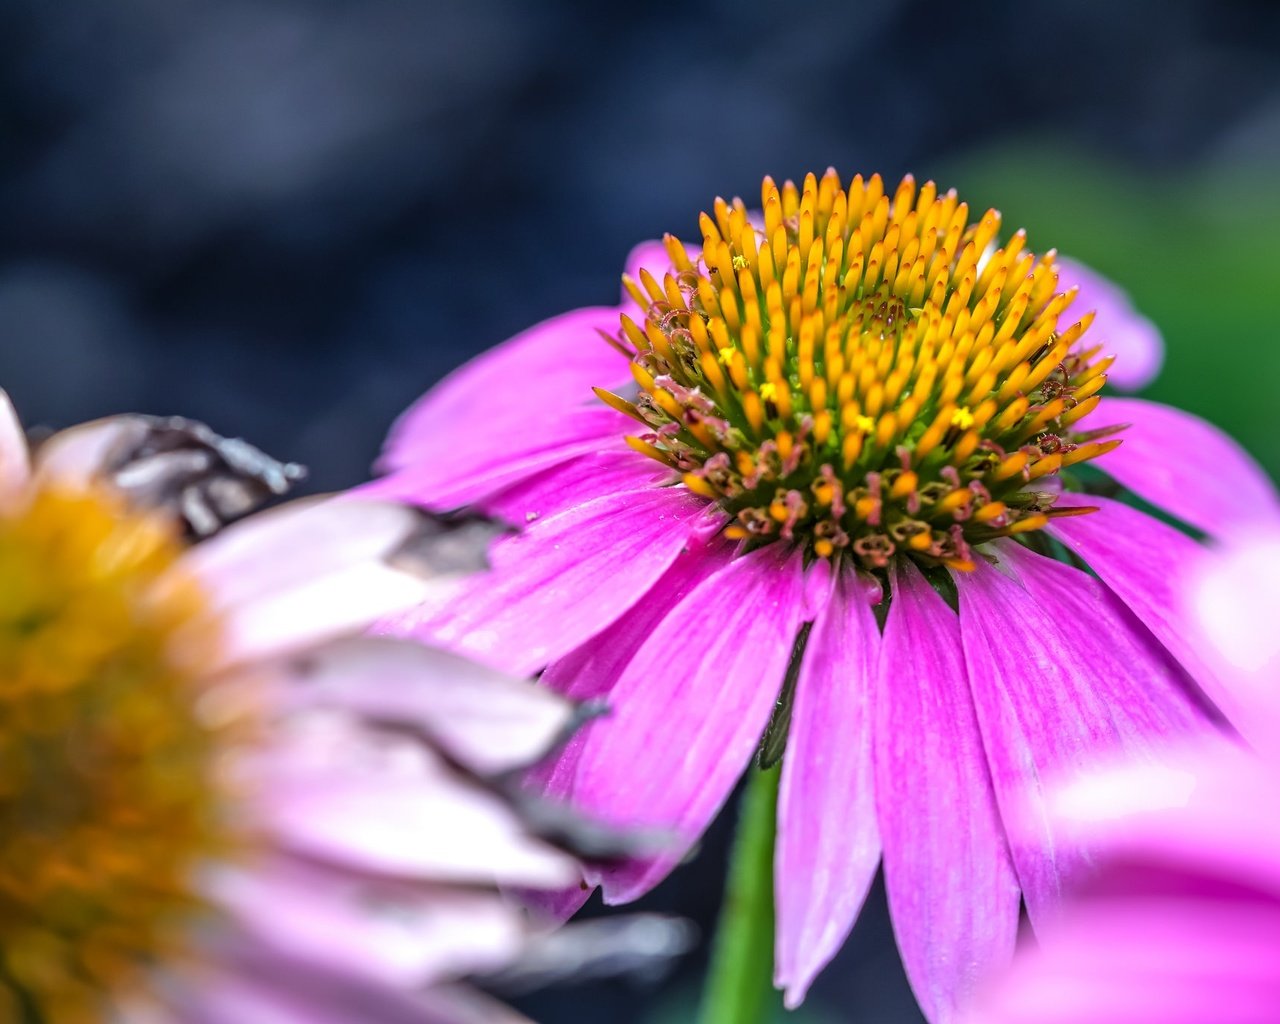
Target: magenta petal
[[519, 388], [1186, 466], [689, 710], [464, 470], [828, 842], [1122, 330], [1143, 561], [1047, 712], [1149, 962], [575, 482], [565, 579], [590, 671], [951, 886]]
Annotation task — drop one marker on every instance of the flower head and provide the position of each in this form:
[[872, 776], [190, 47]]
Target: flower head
[[816, 485], [1180, 922], [215, 804]]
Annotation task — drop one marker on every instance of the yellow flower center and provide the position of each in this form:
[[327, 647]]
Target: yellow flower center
[[863, 373], [108, 795]]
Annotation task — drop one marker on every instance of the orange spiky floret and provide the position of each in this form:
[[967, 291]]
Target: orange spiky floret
[[863, 372]]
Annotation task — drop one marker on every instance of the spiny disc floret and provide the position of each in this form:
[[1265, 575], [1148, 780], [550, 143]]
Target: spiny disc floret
[[862, 374]]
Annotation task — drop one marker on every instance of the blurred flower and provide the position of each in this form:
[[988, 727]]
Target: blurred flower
[[1181, 923], [216, 803], [852, 408]]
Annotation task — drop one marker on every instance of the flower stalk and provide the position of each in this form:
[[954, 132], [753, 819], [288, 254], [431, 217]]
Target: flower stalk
[[739, 987]]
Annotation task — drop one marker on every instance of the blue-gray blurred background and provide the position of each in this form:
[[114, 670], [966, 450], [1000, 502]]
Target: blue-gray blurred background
[[290, 217]]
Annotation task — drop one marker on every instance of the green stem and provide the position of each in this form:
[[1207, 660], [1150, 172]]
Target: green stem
[[739, 987]]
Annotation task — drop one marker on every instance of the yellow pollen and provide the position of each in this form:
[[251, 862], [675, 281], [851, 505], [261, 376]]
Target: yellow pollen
[[109, 793], [867, 374]]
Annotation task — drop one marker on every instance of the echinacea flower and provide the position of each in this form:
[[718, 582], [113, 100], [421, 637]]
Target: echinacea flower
[[816, 483], [215, 806], [1180, 924]]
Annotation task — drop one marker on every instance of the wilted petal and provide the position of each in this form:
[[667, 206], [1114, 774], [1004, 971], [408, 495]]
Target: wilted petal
[[412, 826], [828, 841], [488, 721], [1186, 466], [951, 886], [397, 934]]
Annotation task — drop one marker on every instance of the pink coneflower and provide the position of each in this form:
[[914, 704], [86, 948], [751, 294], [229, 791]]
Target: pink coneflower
[[1181, 922], [215, 808], [842, 436]]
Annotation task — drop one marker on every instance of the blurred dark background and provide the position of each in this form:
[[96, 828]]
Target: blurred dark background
[[290, 217]]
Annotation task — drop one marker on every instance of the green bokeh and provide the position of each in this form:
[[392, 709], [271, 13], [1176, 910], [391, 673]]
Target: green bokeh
[[1198, 252]]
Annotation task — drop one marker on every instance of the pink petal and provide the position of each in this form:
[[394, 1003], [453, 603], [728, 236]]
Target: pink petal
[[76, 456], [566, 578], [372, 799], [1057, 687], [1123, 332], [1148, 962], [1143, 561], [952, 891], [689, 710], [1230, 600], [389, 932], [512, 393], [15, 465], [488, 721], [575, 482], [426, 826], [1186, 466], [590, 671], [828, 843], [465, 470], [1196, 815], [295, 544]]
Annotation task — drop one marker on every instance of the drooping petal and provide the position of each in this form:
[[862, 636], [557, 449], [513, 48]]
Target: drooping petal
[[565, 578], [1186, 466], [516, 390], [952, 891], [15, 463], [1046, 711], [1123, 332], [828, 840], [689, 710], [1143, 560], [488, 721]]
